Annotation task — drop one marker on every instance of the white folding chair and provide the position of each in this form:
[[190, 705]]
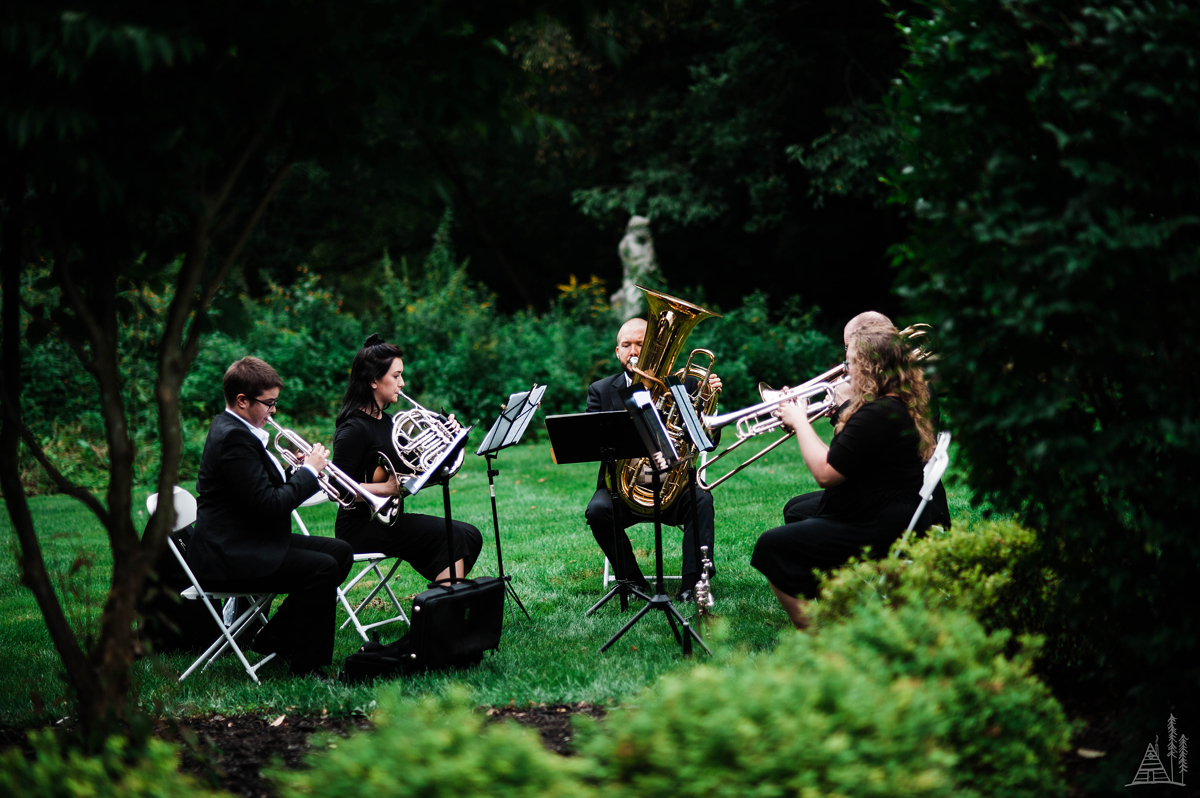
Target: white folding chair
[[185, 514], [933, 475], [610, 577], [371, 563]]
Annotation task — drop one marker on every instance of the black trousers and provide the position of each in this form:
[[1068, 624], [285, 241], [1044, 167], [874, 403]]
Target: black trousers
[[302, 629], [599, 516], [798, 508], [787, 555], [420, 540]]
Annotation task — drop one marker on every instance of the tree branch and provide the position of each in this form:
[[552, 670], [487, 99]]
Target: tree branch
[[33, 564], [63, 484], [215, 202], [214, 284]]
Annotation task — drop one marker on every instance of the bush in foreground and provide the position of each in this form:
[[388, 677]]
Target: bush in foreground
[[993, 570], [115, 773], [437, 748], [905, 702]]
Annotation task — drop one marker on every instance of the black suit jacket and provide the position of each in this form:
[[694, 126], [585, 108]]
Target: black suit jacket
[[243, 514], [603, 397]]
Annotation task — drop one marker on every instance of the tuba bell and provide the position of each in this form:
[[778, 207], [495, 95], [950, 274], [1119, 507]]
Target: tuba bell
[[670, 321]]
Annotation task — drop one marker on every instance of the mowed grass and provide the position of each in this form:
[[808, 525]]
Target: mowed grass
[[556, 567]]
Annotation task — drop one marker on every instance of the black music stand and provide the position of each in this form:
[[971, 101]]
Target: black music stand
[[694, 428], [440, 473], [661, 450], [510, 425], [600, 437]]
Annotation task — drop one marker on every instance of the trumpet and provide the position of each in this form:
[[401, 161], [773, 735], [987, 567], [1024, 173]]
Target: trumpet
[[759, 419], [333, 481]]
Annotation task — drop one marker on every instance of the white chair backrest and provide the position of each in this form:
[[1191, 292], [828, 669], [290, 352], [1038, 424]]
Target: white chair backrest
[[936, 466], [185, 507]]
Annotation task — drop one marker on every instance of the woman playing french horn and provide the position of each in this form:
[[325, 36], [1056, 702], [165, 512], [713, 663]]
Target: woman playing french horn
[[871, 473], [364, 430]]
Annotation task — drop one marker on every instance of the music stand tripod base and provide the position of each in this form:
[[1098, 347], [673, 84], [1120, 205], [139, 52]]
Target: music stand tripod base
[[650, 427]]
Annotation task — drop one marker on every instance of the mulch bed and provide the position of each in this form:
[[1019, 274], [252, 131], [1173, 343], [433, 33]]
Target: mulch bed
[[229, 753]]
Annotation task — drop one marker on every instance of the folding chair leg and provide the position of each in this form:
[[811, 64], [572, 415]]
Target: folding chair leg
[[228, 639], [385, 585]]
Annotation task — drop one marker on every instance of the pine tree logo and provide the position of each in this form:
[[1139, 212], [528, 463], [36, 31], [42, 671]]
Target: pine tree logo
[[1152, 770]]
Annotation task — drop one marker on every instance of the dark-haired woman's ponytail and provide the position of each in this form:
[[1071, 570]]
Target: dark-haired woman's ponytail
[[372, 340]]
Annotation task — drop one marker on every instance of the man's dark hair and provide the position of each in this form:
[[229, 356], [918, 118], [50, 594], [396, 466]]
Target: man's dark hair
[[249, 376]]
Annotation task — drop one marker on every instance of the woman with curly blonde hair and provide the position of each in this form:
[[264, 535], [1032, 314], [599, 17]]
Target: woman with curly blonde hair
[[871, 472]]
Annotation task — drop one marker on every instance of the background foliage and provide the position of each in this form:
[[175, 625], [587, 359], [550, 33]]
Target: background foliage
[[461, 353], [1055, 248]]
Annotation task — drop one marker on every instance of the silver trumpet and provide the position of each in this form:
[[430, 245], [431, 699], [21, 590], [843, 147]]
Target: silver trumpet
[[760, 418], [333, 481]]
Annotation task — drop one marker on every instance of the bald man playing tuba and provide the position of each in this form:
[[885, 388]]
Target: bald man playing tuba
[[603, 396]]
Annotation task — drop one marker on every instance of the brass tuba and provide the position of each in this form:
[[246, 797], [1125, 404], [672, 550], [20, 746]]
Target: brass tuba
[[670, 321]]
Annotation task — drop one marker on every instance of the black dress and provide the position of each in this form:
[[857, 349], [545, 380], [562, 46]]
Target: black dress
[[878, 451], [418, 539]]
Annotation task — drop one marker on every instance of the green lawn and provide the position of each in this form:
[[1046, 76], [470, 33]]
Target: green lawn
[[548, 549]]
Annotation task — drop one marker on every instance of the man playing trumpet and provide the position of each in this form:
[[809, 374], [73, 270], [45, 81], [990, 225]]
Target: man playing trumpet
[[603, 396], [243, 540]]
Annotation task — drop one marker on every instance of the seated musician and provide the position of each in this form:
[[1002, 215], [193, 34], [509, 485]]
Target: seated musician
[[805, 505], [363, 430], [602, 396], [243, 540], [872, 472]]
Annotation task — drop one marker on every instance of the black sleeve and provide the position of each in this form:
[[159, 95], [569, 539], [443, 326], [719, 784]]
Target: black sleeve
[[593, 400], [351, 446], [243, 471], [859, 441]]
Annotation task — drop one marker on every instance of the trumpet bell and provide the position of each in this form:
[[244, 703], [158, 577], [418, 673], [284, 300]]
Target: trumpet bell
[[769, 394]]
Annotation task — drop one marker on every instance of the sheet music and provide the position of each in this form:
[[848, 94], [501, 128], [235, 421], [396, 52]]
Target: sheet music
[[412, 485]]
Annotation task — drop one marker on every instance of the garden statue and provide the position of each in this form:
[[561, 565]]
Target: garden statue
[[638, 262]]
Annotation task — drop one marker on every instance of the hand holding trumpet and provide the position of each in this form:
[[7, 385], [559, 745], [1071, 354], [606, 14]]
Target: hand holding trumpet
[[318, 458], [793, 413]]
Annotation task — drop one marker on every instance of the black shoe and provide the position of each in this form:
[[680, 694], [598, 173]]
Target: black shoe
[[687, 589]]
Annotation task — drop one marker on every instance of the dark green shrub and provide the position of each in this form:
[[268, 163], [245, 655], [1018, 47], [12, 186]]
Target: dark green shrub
[[906, 702], [1051, 153], [994, 570], [55, 773], [753, 345], [301, 331], [437, 747]]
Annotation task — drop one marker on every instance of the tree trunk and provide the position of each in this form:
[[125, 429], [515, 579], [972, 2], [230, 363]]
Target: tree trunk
[[33, 567]]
